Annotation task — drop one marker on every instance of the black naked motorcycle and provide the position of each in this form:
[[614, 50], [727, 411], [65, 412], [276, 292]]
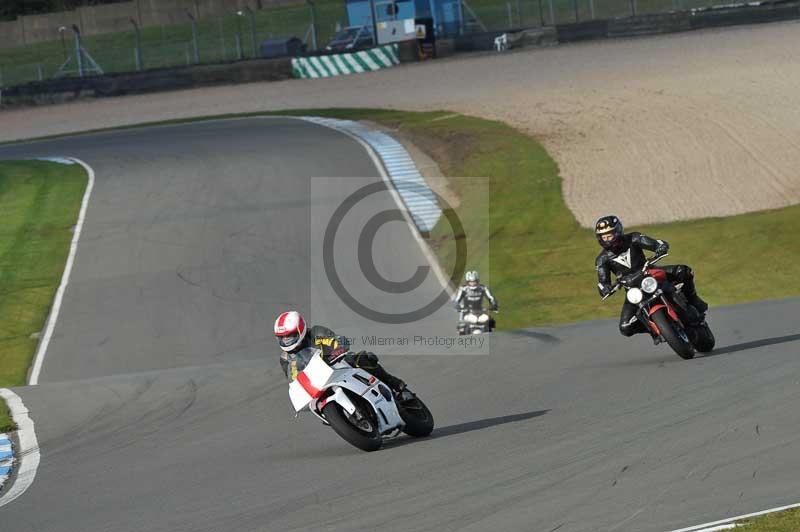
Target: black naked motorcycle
[[665, 311]]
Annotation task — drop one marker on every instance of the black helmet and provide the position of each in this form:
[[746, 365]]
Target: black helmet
[[609, 231]]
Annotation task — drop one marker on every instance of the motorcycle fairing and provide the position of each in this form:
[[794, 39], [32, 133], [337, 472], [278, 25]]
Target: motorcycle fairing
[[319, 384]]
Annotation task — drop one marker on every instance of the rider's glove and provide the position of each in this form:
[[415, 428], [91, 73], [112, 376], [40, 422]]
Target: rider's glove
[[494, 308], [604, 289], [662, 249]]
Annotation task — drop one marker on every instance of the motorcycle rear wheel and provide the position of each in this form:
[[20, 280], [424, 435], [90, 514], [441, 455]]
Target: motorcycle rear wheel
[[705, 339], [419, 420], [366, 441], [679, 343]]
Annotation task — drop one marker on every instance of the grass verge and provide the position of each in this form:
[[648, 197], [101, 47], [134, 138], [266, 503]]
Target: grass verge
[[786, 521], [40, 202]]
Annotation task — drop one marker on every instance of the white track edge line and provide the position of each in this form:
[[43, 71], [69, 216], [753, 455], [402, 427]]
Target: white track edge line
[[28, 454], [41, 351], [706, 526], [376, 160]]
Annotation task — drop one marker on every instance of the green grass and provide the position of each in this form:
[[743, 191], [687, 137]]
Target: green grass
[[6, 423], [170, 45], [40, 203], [786, 521]]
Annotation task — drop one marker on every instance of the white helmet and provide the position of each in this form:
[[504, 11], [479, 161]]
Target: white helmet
[[290, 329], [471, 276]]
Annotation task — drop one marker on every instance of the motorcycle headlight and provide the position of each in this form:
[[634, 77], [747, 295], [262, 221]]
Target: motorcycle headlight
[[635, 296], [649, 285]]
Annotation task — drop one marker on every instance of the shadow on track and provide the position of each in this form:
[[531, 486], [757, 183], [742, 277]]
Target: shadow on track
[[469, 426], [752, 345]]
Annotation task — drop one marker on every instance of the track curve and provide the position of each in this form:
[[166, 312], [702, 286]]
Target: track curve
[[180, 421]]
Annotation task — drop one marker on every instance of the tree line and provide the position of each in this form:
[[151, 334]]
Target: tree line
[[11, 9]]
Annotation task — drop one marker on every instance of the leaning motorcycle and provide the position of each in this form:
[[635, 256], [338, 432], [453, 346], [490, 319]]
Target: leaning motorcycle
[[355, 404], [475, 322], [665, 311]]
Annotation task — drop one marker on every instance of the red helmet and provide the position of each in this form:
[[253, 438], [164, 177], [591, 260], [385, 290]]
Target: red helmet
[[290, 329]]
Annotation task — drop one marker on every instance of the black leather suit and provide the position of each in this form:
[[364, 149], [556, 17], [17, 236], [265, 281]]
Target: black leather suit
[[327, 341], [628, 256]]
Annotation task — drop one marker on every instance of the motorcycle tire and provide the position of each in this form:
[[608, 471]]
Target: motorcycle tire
[[705, 341], [680, 345], [366, 441], [419, 420]]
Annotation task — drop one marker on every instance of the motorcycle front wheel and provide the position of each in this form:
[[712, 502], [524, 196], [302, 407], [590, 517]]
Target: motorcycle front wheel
[[675, 337], [365, 436], [418, 419]]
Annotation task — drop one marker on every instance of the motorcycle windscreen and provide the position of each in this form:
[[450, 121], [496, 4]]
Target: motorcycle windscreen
[[310, 381]]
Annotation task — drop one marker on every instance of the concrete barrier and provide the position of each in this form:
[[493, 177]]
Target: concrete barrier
[[649, 24], [767, 12], [68, 89], [582, 31], [532, 37], [474, 42]]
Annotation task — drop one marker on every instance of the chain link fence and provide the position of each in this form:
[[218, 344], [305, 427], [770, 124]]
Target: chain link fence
[[231, 37], [494, 15], [238, 35]]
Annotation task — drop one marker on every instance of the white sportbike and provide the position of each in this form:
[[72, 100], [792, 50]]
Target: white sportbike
[[475, 322], [358, 406]]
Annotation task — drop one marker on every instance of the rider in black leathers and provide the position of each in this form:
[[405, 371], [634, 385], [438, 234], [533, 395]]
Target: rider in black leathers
[[624, 253]]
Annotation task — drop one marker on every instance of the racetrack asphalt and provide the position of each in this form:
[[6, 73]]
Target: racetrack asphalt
[[162, 406]]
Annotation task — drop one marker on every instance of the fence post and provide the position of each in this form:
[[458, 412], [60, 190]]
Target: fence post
[[591, 9], [137, 51], [39, 69], [510, 19], [78, 51], [61, 31], [239, 51], [251, 17], [575, 5], [313, 10], [194, 36], [221, 39], [552, 14], [633, 8]]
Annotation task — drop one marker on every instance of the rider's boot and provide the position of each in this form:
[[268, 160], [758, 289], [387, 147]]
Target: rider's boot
[[404, 395], [698, 303], [690, 292], [397, 385]]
